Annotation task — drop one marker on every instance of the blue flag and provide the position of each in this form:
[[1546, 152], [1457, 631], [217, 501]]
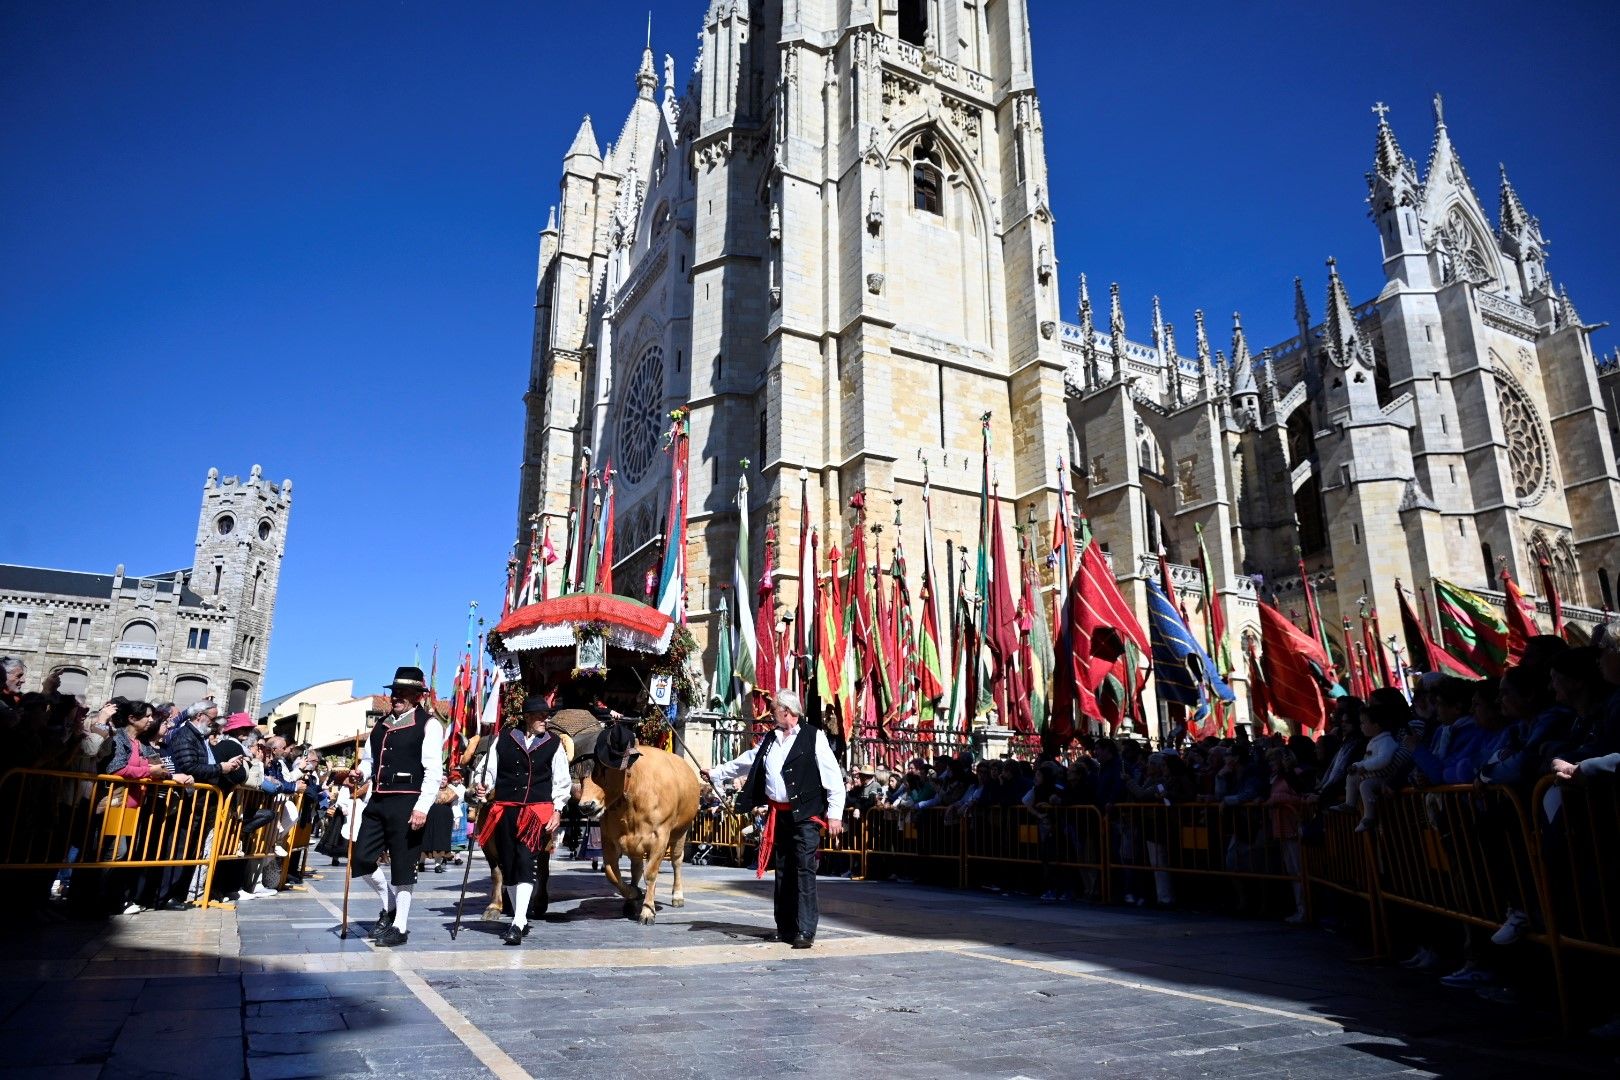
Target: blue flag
[[1180, 663]]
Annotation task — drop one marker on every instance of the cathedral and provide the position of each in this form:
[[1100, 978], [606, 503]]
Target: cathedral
[[833, 245]]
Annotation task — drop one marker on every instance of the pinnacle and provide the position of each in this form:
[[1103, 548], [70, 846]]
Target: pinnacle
[[1514, 215], [1388, 158], [585, 142]]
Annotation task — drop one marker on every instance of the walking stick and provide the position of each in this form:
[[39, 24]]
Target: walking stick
[[466, 875], [350, 827]]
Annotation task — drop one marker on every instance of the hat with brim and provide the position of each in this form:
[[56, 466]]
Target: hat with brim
[[237, 722], [408, 678], [537, 703]]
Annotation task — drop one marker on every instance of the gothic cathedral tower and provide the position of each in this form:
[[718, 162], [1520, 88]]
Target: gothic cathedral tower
[[835, 248]]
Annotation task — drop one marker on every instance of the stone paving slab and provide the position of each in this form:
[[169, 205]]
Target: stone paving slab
[[905, 981]]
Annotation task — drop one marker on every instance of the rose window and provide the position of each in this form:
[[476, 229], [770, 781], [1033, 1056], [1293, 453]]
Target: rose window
[[641, 416], [1526, 445]]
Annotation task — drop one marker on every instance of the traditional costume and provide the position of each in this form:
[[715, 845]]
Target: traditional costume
[[404, 762], [792, 773], [527, 777]]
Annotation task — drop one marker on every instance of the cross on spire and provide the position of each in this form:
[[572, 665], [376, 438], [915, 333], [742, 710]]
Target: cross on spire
[[1380, 108]]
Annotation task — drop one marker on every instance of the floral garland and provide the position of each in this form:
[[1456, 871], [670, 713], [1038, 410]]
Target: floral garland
[[513, 695], [586, 630], [682, 646]]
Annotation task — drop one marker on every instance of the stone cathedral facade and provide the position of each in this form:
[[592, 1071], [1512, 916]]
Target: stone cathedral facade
[[834, 245]]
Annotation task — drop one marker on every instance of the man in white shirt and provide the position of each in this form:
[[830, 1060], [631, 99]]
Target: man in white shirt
[[793, 772], [404, 763], [526, 772]]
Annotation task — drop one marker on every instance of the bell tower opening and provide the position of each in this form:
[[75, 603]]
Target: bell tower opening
[[926, 177], [914, 21]]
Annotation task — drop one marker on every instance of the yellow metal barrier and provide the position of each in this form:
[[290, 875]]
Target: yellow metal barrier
[[914, 834], [1577, 838], [1058, 839], [109, 821], [1203, 839], [298, 836], [1342, 861]]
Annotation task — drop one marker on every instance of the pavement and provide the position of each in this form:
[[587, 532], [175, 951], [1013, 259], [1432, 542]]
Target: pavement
[[904, 981]]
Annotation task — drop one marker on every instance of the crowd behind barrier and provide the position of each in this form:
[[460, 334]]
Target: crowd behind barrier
[[1477, 822]]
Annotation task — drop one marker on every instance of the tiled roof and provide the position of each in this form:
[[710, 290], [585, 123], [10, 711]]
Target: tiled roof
[[39, 579]]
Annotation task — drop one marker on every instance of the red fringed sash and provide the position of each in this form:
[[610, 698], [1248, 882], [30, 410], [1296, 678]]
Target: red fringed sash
[[767, 835], [531, 823]]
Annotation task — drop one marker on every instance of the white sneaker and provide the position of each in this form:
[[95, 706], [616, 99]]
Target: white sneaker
[[1468, 977], [281, 852], [1512, 927], [131, 909], [1130, 901]]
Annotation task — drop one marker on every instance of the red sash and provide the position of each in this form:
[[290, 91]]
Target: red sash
[[767, 835], [531, 823]]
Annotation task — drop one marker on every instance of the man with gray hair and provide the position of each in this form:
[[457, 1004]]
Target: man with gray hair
[[791, 771]]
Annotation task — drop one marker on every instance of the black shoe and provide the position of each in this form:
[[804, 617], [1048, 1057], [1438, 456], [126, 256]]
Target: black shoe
[[173, 905], [803, 942], [439, 869], [384, 921], [515, 934], [391, 937]]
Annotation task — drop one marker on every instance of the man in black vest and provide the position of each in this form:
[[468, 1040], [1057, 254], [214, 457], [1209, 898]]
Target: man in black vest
[[792, 770], [404, 762], [527, 772]]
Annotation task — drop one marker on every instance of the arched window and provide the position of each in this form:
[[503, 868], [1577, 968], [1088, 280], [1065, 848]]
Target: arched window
[[1301, 439], [1608, 590], [139, 633], [131, 685], [240, 689], [189, 689], [914, 21], [1490, 563], [927, 176], [72, 681]]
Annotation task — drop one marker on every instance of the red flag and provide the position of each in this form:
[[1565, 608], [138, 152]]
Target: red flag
[[1101, 627], [1553, 599], [1259, 699], [1001, 631], [1375, 674], [1521, 622], [548, 555], [1294, 665], [765, 673], [604, 570]]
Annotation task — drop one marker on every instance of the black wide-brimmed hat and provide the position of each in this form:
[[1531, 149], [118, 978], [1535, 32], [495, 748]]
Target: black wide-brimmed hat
[[537, 703], [408, 678]]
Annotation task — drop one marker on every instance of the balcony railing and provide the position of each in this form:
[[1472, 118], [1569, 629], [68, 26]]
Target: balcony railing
[[135, 650]]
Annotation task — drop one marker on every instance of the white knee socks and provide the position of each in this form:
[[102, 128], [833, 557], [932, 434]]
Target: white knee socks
[[520, 907], [385, 889], [402, 907]]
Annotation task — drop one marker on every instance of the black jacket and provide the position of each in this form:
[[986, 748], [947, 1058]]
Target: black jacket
[[190, 752]]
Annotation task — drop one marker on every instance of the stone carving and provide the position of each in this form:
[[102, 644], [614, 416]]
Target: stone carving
[[1462, 256], [1099, 469], [874, 211], [1187, 479], [874, 283], [1048, 327]]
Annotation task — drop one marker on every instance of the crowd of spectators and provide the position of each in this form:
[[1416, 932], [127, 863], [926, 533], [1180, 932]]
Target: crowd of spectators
[[142, 741]]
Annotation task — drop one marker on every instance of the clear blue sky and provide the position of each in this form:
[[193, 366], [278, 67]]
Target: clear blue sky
[[304, 235]]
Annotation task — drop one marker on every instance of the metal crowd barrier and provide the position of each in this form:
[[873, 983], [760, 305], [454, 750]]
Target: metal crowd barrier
[[57, 820], [901, 835], [1062, 841], [1341, 861], [1577, 841], [1202, 839]]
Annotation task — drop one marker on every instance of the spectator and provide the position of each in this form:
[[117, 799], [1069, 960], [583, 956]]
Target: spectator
[[1285, 801], [193, 754], [1384, 762]]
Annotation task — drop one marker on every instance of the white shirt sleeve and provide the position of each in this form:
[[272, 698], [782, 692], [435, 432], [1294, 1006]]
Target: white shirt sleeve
[[739, 766], [486, 767], [432, 764], [561, 782], [832, 777]]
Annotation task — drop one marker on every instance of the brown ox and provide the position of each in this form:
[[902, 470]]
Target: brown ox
[[645, 811]]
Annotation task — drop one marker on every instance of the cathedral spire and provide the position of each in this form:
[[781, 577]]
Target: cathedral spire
[[1167, 353], [1567, 315], [1116, 331], [1088, 336], [1388, 158], [1302, 312], [1344, 341], [1242, 362], [646, 76], [1514, 216], [1206, 364], [584, 144]]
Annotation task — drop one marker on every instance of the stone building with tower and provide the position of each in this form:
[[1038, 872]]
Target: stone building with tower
[[202, 630], [834, 245]]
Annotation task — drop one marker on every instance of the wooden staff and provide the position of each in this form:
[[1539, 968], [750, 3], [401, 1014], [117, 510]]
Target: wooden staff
[[349, 827]]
